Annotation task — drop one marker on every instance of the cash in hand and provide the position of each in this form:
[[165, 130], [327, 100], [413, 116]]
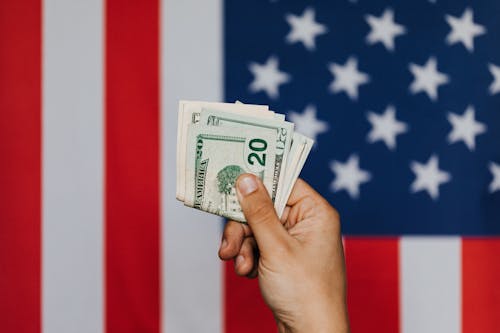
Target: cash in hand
[[216, 142]]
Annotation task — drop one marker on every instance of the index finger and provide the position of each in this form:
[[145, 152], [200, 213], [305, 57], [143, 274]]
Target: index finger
[[300, 191], [232, 238]]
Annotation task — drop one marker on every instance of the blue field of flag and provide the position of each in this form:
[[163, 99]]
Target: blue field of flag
[[403, 99]]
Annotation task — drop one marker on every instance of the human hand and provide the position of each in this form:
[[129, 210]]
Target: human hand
[[299, 260]]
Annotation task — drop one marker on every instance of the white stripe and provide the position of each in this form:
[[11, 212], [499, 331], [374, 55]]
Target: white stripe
[[72, 286], [431, 284], [191, 69]]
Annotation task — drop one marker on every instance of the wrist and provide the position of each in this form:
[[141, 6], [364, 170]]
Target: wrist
[[323, 317]]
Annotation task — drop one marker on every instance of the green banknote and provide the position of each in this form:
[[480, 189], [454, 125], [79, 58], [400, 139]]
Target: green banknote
[[299, 151], [189, 113], [216, 156], [217, 142], [282, 142]]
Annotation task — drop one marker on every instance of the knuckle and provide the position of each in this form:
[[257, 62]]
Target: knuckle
[[335, 220], [335, 215], [232, 231], [329, 209]]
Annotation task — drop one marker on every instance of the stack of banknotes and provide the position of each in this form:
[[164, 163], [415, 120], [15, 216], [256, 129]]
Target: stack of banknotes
[[216, 142]]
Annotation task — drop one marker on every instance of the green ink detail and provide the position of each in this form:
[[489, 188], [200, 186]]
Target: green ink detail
[[226, 181], [226, 178], [215, 137]]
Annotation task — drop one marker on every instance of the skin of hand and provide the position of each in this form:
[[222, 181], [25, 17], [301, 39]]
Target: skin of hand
[[298, 260]]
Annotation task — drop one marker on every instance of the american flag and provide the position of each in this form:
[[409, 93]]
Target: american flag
[[403, 99]]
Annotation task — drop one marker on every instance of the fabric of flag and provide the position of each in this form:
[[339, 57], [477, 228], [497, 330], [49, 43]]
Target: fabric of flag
[[402, 98]]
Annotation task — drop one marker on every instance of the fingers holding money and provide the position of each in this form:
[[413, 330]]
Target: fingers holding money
[[235, 138], [305, 202], [232, 239], [300, 191], [260, 214], [247, 260], [238, 244]]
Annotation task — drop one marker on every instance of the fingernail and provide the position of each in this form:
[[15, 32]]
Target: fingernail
[[240, 260], [223, 244], [247, 185]]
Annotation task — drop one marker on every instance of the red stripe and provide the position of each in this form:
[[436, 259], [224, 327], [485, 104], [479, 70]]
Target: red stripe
[[20, 165], [132, 166], [373, 284], [480, 285], [244, 308]]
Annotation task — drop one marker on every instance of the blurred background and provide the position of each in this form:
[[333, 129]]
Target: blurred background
[[402, 98]]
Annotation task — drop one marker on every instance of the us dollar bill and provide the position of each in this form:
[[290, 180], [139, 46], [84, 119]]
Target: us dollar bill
[[299, 151], [216, 156], [216, 142], [282, 143], [189, 113]]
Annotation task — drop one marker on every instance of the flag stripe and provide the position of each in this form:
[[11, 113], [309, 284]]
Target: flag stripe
[[72, 166], [430, 284], [373, 283], [241, 293], [480, 279], [191, 69], [132, 167], [20, 172]]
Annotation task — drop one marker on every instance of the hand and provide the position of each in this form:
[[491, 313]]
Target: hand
[[299, 260]]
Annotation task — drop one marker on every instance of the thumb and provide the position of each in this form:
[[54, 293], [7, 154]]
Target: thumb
[[260, 214]]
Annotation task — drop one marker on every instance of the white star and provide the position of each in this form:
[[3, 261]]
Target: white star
[[495, 85], [267, 77], [495, 171], [304, 29], [428, 177], [347, 78], [465, 128], [307, 123], [348, 176], [427, 78], [384, 29], [464, 30], [385, 127]]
